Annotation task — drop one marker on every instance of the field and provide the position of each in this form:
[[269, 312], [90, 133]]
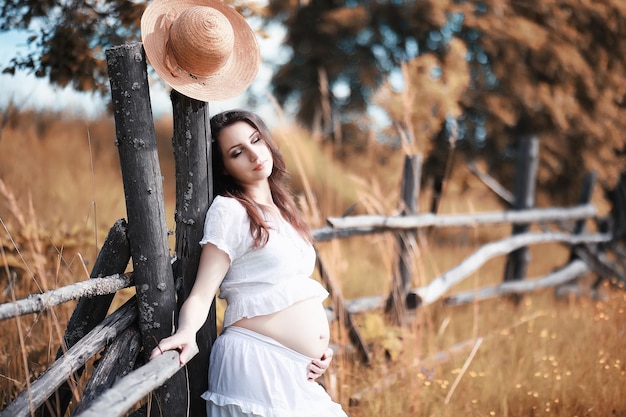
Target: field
[[61, 190]]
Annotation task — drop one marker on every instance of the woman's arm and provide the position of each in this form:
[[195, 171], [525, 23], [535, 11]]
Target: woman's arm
[[214, 264]]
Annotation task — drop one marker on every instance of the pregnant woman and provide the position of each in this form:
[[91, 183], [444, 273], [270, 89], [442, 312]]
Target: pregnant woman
[[257, 251]]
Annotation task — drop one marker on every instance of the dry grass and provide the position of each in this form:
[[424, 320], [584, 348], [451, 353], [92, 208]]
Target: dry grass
[[539, 358], [61, 190]]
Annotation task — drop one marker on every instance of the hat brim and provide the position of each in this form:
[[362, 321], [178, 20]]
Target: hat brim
[[229, 81]]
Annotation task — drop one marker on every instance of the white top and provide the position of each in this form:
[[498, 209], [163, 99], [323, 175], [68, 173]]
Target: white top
[[260, 280]]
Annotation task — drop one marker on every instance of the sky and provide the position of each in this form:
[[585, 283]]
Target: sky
[[29, 92]]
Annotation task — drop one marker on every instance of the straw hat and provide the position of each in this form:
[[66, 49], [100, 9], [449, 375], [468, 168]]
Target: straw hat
[[203, 49]]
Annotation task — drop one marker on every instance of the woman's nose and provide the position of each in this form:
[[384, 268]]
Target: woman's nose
[[253, 155]]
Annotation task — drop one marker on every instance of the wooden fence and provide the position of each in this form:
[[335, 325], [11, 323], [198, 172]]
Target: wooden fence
[[124, 376]]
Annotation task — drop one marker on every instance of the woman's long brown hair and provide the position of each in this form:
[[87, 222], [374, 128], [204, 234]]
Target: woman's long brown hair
[[226, 185]]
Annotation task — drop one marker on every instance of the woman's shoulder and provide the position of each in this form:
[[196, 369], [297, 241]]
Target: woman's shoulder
[[226, 225], [227, 207], [228, 202]]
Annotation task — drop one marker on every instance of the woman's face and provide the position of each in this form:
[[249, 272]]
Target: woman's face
[[246, 156]]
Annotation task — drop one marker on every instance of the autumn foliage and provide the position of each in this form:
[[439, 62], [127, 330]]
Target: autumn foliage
[[494, 70]]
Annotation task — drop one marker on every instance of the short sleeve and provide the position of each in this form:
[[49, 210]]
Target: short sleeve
[[227, 226]]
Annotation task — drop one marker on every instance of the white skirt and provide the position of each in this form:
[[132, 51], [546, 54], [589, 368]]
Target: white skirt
[[254, 375]]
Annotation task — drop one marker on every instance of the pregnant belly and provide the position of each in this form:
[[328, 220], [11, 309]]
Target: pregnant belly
[[302, 327]]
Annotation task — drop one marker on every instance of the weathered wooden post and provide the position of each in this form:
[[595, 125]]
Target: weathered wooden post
[[524, 192], [617, 197], [616, 272], [194, 193], [401, 282], [439, 162], [342, 314], [147, 227], [586, 192], [579, 227]]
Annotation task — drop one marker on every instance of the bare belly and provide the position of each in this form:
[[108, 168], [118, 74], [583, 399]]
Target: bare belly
[[302, 327]]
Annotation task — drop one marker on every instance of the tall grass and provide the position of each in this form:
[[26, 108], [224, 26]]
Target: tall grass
[[61, 189]]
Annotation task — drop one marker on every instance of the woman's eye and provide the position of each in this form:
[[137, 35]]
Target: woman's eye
[[256, 139]]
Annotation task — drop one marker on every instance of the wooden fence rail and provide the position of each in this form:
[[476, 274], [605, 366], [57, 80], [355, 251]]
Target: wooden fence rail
[[75, 358], [39, 302], [132, 388], [568, 273], [111, 284], [442, 284], [152, 375], [537, 215]]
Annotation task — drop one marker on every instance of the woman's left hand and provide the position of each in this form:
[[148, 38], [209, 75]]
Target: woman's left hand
[[317, 367]]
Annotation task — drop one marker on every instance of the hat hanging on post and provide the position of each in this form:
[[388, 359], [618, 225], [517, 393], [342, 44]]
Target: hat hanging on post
[[203, 49]]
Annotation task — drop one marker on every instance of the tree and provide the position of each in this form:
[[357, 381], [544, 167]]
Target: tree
[[500, 69], [560, 72], [347, 45], [69, 37], [495, 69]]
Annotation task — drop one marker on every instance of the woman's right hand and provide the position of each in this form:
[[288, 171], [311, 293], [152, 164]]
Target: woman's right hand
[[317, 367], [214, 264], [183, 342]]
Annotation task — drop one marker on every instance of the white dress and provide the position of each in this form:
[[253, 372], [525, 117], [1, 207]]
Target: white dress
[[251, 374]]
